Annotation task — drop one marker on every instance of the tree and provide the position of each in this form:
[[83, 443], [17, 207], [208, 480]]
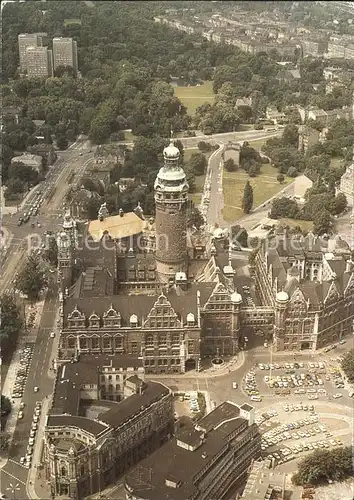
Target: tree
[[5, 405], [51, 253], [62, 142], [253, 171], [198, 163], [92, 207], [31, 279], [239, 235], [291, 135], [10, 324], [284, 207], [322, 222], [195, 219], [4, 442], [348, 365], [292, 172], [325, 465], [280, 178], [204, 147], [247, 201], [339, 204], [230, 165]]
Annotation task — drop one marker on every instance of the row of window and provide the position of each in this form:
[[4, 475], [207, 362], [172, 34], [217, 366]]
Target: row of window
[[162, 362]]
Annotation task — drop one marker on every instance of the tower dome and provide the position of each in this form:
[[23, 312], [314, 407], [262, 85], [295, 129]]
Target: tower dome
[[282, 296], [236, 298], [171, 151]]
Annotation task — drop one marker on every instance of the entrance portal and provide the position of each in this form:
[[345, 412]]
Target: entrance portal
[[305, 346], [190, 365]]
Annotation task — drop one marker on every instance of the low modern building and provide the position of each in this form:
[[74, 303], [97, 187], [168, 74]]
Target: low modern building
[[33, 161], [91, 440], [201, 461], [264, 483]]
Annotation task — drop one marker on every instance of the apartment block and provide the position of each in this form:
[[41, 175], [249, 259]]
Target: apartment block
[[26, 40], [64, 53], [39, 62]]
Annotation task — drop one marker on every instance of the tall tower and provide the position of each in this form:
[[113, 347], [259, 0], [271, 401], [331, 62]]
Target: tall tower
[[171, 197]]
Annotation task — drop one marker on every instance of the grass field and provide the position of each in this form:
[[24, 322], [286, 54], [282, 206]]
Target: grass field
[[67, 22], [306, 225], [192, 97], [337, 162], [265, 185], [258, 144], [197, 196]]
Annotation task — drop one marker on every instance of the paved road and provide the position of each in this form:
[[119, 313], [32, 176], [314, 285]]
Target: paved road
[[216, 198], [77, 157], [38, 376]]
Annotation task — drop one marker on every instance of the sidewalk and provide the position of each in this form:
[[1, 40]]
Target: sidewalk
[[37, 486], [229, 366]]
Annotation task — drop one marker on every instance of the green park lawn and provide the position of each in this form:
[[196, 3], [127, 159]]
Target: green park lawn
[[265, 185], [67, 22], [192, 97], [306, 225], [337, 162]]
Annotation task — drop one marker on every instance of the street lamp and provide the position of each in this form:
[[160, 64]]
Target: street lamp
[[13, 489]]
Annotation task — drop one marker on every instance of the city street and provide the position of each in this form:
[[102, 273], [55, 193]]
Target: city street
[[38, 376], [53, 191]]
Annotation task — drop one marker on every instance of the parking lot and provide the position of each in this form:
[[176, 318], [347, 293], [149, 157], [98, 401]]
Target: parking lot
[[310, 380], [290, 431], [22, 372]]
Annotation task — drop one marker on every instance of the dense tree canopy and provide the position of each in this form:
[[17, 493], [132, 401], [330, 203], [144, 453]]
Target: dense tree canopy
[[323, 465], [10, 324], [31, 279], [348, 365]]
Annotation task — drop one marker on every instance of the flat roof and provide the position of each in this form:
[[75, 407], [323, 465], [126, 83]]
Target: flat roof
[[179, 465]]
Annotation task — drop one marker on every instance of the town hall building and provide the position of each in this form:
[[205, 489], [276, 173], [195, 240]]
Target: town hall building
[[152, 292]]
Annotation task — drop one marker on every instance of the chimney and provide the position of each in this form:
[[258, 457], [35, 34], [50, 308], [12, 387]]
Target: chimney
[[349, 266]]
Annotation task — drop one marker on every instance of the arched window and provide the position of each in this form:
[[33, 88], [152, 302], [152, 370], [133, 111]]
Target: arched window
[[64, 471]]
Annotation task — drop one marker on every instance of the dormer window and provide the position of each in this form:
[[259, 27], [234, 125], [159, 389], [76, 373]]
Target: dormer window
[[190, 319], [112, 318], [133, 321], [94, 321], [76, 319]]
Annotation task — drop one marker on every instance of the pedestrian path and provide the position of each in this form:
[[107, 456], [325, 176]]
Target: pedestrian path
[[37, 486], [231, 365]]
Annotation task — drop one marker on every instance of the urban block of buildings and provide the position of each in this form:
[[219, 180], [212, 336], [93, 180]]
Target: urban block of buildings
[[37, 60], [103, 419], [172, 298], [201, 461]]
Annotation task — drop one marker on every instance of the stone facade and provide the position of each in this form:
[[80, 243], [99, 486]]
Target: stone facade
[[171, 198], [85, 454], [310, 290]]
